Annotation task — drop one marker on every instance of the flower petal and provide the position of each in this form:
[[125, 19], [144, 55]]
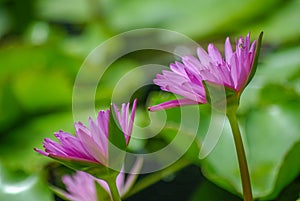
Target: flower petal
[[214, 54], [130, 126], [228, 50], [172, 104]]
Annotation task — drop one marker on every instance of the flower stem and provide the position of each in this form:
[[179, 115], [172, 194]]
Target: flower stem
[[114, 190], [246, 184]]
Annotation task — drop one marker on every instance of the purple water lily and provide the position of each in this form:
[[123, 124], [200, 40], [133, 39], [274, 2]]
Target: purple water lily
[[186, 78], [90, 144]]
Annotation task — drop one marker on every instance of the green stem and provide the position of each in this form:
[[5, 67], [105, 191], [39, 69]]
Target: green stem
[[246, 184], [155, 177], [114, 189]]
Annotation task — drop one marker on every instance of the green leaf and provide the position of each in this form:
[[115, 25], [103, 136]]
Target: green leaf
[[271, 138], [286, 172], [274, 131], [279, 67], [211, 192]]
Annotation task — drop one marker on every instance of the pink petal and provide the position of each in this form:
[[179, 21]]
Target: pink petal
[[130, 126], [253, 46], [118, 114], [72, 145], [41, 152], [80, 186], [234, 72], [228, 50], [214, 54], [92, 147], [172, 104], [195, 78], [192, 64], [53, 147], [203, 57], [178, 68], [247, 41], [102, 120], [125, 112], [98, 137]]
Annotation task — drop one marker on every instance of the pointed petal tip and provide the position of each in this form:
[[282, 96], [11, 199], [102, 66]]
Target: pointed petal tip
[[41, 151], [260, 35], [101, 112], [172, 104], [200, 50], [210, 46], [155, 108], [227, 39], [150, 109], [134, 103]]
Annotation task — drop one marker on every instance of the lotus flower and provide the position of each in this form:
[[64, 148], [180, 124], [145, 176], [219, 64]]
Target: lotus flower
[[81, 186], [90, 145], [186, 77]]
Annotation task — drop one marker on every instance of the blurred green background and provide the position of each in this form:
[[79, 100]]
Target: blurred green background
[[44, 42]]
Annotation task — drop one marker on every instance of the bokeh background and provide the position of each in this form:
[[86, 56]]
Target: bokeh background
[[44, 42]]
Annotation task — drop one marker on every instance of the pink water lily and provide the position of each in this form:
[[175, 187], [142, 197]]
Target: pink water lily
[[186, 77], [90, 144], [81, 186]]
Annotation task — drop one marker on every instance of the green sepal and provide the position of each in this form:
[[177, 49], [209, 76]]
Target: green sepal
[[220, 97], [256, 56], [117, 143], [93, 168], [102, 194], [58, 192]]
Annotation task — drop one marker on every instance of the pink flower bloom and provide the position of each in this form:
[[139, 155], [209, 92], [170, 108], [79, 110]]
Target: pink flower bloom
[[89, 144], [186, 77], [81, 186]]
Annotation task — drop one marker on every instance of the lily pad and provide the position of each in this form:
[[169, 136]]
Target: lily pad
[[271, 137]]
